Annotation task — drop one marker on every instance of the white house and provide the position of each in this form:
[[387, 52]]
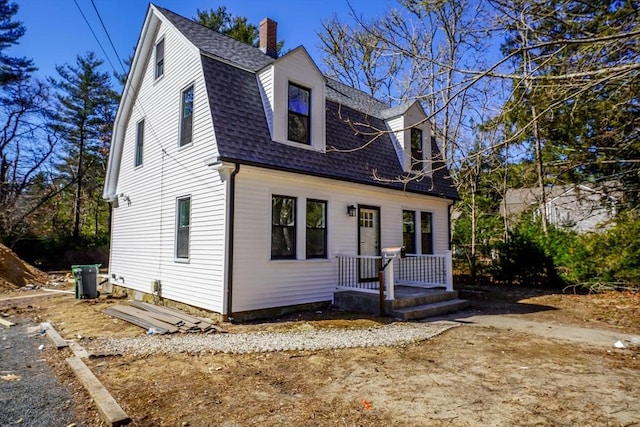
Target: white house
[[242, 182], [579, 207]]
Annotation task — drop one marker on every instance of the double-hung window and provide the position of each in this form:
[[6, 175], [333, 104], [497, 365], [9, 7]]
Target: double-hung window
[[316, 228], [426, 232], [186, 116], [299, 116], [159, 69], [417, 152], [139, 143], [283, 227], [409, 231], [183, 225]]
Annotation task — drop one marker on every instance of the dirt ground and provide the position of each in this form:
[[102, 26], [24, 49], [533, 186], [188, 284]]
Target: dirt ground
[[470, 375]]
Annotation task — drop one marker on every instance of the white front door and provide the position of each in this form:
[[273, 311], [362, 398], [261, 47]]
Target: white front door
[[369, 245]]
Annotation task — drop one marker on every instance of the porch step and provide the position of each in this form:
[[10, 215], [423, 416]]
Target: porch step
[[409, 296], [429, 310]]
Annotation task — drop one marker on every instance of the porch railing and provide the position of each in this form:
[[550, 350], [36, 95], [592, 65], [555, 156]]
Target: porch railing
[[425, 270], [359, 272], [417, 270]]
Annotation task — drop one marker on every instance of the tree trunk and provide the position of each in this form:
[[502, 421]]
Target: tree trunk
[[78, 201]]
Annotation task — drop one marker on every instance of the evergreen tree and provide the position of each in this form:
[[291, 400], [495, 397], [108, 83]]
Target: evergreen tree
[[86, 108], [236, 27], [12, 69]]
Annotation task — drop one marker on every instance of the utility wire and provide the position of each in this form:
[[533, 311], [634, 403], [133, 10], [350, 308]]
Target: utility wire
[[94, 34], [108, 36]]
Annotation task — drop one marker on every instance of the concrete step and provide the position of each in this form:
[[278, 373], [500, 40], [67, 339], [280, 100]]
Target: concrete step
[[422, 297], [429, 310]]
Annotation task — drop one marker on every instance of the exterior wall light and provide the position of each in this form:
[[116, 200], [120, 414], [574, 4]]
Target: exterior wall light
[[351, 210]]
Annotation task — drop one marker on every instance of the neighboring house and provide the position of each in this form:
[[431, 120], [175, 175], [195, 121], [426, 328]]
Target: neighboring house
[[238, 178], [581, 207]]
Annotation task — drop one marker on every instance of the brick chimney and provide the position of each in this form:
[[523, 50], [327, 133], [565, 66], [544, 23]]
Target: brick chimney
[[269, 37]]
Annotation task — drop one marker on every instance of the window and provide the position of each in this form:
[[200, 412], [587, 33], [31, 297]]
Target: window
[[182, 227], [409, 231], [299, 114], [159, 59], [186, 116], [426, 232], [417, 157], [139, 142], [283, 227], [316, 229]]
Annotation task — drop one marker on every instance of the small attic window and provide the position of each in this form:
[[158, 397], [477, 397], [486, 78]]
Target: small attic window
[[417, 151], [299, 118], [159, 70]]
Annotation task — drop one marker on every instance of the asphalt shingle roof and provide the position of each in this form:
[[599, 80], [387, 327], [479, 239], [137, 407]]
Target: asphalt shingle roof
[[242, 132], [219, 45]]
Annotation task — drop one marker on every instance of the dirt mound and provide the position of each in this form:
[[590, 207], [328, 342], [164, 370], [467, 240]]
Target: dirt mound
[[15, 273]]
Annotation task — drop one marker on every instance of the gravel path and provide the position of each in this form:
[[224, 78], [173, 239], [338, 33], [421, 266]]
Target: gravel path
[[387, 335], [30, 395]]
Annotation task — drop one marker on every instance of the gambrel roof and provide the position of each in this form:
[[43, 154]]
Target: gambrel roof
[[242, 133]]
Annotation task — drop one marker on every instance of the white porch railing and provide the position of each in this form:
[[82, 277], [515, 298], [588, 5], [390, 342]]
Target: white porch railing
[[359, 272], [425, 270]]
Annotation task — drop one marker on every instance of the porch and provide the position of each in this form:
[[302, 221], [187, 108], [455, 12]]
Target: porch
[[411, 287]]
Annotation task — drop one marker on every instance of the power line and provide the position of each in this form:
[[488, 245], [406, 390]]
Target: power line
[[94, 34], [108, 36]]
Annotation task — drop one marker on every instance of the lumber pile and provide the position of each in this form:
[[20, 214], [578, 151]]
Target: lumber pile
[[161, 320]]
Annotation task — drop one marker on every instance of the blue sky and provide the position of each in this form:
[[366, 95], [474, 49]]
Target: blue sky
[[57, 33]]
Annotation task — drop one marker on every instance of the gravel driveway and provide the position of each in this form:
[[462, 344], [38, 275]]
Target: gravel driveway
[[30, 394]]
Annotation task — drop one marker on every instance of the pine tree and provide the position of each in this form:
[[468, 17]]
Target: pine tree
[[86, 105]]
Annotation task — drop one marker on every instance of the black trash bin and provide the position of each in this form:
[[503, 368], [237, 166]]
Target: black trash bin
[[86, 278]]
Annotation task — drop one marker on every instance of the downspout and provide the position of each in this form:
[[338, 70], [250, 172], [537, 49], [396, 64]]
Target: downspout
[[232, 207]]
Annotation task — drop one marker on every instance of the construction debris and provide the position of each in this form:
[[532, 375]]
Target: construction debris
[[6, 323], [161, 320], [16, 273]]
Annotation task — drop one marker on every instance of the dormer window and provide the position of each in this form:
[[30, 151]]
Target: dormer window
[[299, 118], [159, 70], [417, 152]]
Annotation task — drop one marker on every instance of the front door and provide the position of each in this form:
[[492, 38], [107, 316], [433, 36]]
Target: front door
[[369, 242]]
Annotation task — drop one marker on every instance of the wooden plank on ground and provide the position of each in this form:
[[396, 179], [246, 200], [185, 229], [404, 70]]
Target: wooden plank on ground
[[79, 350], [53, 335], [111, 412], [134, 320], [174, 320], [6, 323], [132, 311], [191, 323], [170, 311]]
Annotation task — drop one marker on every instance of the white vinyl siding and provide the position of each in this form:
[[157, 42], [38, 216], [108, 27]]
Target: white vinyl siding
[[143, 233], [274, 283]]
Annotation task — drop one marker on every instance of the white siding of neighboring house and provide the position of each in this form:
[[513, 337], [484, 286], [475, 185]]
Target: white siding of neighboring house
[[143, 236], [260, 282]]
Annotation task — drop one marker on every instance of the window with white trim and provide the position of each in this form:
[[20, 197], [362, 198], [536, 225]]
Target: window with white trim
[[426, 232], [283, 227], [417, 150], [316, 228], [139, 143], [159, 68], [186, 116], [409, 231], [183, 226], [299, 116]]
